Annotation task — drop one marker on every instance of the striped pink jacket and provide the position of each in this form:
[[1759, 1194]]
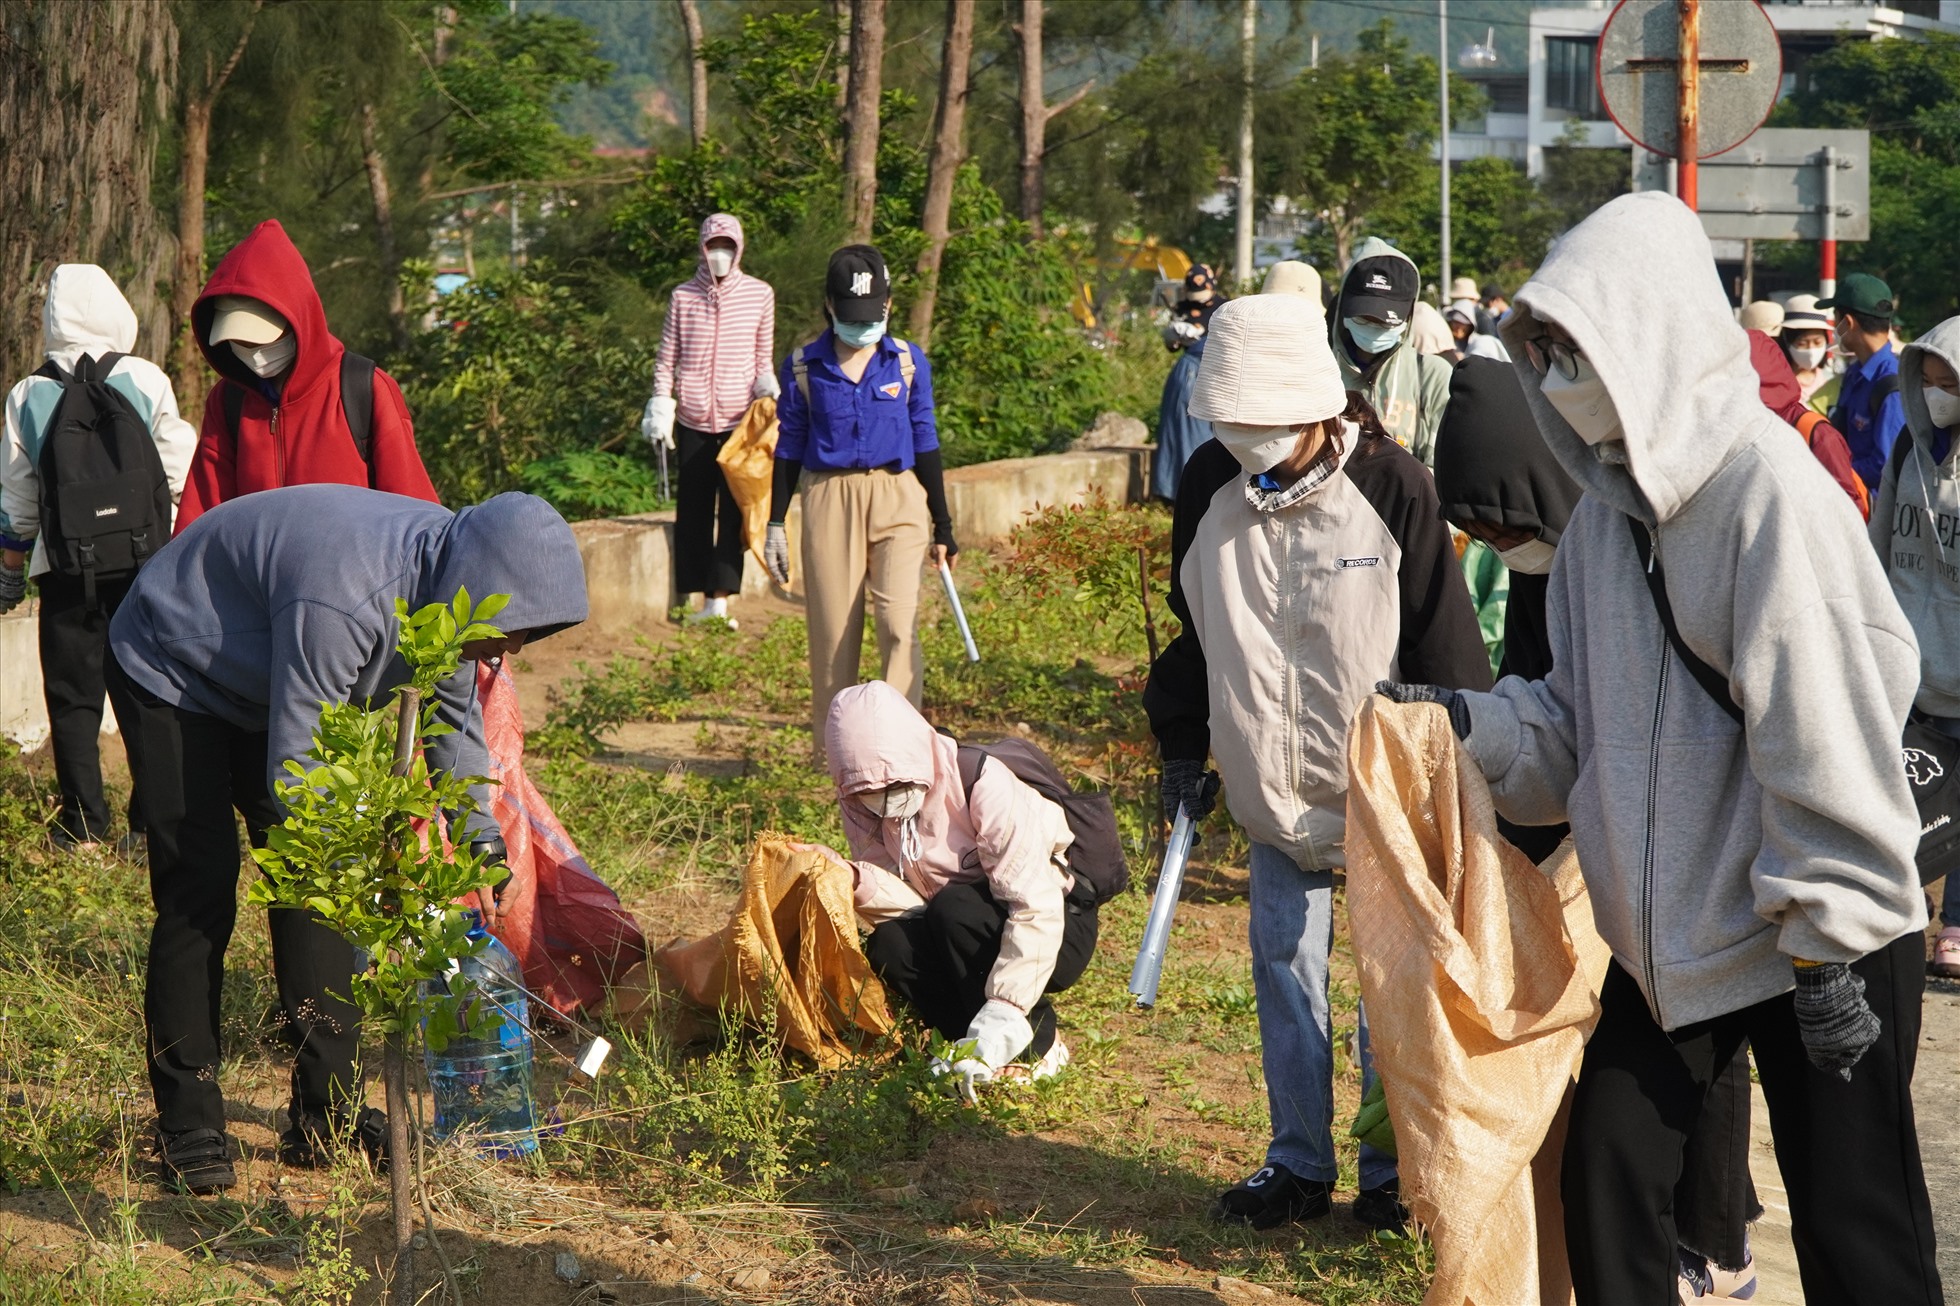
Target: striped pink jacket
[[718, 338]]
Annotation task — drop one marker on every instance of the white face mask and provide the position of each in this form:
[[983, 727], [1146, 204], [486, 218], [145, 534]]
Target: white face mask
[[1584, 404], [900, 802], [1533, 557], [1944, 408], [1258, 448], [268, 361], [720, 261], [1807, 360]]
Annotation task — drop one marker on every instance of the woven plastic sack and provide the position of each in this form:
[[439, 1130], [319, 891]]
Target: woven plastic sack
[[565, 925], [748, 464], [789, 959], [1480, 972]]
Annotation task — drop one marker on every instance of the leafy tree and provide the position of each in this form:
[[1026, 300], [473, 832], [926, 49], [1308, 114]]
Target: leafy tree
[[504, 85], [1500, 224]]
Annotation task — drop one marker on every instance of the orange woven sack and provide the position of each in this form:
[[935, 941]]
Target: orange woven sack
[[1480, 972], [748, 464]]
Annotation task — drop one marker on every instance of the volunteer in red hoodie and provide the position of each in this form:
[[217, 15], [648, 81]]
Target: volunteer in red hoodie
[[262, 327]]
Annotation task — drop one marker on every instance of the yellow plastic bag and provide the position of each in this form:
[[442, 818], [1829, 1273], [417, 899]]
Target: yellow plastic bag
[[789, 957], [1480, 972], [748, 463]]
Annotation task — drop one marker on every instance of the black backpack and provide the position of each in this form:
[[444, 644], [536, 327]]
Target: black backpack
[[1097, 853], [356, 405], [105, 502]]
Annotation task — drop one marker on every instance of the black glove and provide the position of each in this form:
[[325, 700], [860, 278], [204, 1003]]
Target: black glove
[[1187, 782], [496, 858], [1448, 699], [1836, 1022], [13, 588]]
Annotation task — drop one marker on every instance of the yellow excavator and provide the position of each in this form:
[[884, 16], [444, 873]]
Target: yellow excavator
[[1134, 254]]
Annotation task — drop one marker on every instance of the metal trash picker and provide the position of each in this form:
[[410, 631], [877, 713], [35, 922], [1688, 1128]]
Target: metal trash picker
[[959, 612], [1149, 966]]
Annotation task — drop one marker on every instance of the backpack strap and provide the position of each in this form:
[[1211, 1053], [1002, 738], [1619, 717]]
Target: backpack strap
[[357, 405], [1807, 423], [971, 760], [799, 368], [908, 367], [1882, 389], [1712, 682]]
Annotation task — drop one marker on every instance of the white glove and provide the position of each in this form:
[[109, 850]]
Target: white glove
[[775, 552], [657, 422], [998, 1034], [766, 387]]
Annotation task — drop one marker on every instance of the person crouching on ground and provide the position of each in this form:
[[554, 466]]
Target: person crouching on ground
[[975, 917], [1733, 783], [228, 643], [1308, 556]]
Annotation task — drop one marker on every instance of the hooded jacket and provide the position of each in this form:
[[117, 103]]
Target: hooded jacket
[[1004, 834], [1492, 466], [1784, 397], [1713, 856], [1291, 614], [275, 603], [295, 433], [85, 315], [1408, 389], [718, 337], [1914, 525]]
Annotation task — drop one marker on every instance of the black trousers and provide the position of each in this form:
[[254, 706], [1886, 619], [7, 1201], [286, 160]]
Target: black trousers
[[1715, 1202], [708, 545], [195, 770], [1848, 1151], [74, 648], [939, 961]]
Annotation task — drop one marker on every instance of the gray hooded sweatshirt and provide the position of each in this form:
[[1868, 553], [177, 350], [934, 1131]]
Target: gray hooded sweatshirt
[[274, 603], [1915, 516], [1713, 854]]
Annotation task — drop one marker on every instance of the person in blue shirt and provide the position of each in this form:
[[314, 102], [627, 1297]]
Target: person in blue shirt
[[857, 428], [1868, 409]]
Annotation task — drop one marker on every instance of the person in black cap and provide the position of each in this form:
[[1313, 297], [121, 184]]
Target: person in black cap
[[1406, 387], [1178, 433], [1868, 409], [856, 415]]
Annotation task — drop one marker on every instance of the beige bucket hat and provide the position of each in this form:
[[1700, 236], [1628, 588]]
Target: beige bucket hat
[[1267, 362]]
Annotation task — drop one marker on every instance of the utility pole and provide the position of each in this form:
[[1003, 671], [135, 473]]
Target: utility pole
[[1443, 99], [1248, 23], [1688, 128]]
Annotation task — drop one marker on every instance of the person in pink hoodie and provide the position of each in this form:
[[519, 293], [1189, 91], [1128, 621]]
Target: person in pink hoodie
[[974, 916]]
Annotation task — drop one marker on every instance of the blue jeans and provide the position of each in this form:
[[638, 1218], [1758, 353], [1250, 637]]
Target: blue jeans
[[1292, 933]]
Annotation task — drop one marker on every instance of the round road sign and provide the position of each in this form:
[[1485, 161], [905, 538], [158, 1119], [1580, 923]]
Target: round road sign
[[1639, 61]]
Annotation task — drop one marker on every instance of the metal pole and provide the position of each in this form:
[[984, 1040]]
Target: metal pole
[[1748, 271], [1827, 248], [1248, 21], [1688, 126], [1443, 66]]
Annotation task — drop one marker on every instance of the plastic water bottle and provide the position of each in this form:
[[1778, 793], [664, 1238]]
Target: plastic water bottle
[[482, 1086]]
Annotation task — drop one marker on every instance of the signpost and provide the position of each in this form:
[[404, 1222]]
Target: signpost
[[1783, 183], [1687, 79]]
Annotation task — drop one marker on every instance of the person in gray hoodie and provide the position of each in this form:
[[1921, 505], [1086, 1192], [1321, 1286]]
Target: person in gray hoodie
[[1734, 786], [228, 643], [1913, 528]]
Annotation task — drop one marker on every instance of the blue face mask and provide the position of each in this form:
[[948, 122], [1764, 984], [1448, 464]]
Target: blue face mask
[[1371, 338], [859, 334]]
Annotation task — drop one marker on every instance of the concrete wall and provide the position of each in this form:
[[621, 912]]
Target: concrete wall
[[629, 561], [23, 708]]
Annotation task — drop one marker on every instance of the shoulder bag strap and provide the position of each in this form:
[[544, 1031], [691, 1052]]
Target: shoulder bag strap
[[1713, 682]]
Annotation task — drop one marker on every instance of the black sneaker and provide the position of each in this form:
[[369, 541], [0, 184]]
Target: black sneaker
[[311, 1143], [134, 847], [1381, 1208], [195, 1161], [69, 844], [1273, 1196]]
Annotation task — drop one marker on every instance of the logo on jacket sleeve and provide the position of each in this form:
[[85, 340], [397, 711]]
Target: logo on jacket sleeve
[[890, 391], [1346, 563]]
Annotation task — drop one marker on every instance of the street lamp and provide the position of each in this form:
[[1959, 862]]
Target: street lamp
[[1475, 55]]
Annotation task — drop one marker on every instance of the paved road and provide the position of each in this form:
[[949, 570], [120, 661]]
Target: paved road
[[1936, 1095]]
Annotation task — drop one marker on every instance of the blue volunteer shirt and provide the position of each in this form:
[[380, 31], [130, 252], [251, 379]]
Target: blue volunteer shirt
[[1870, 436], [855, 426]]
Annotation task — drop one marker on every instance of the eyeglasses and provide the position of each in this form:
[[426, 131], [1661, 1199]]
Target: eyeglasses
[[1546, 353]]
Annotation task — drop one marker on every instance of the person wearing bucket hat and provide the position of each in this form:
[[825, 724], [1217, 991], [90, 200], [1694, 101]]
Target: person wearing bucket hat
[[1406, 387], [1806, 342], [1868, 410], [1302, 504]]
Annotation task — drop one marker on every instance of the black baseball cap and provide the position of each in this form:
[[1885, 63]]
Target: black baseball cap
[[1861, 292], [1383, 287], [857, 284]]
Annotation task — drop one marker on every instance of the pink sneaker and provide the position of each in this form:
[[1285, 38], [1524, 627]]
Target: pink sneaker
[[1946, 954]]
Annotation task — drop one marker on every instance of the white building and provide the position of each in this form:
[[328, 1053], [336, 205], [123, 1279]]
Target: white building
[[1538, 106]]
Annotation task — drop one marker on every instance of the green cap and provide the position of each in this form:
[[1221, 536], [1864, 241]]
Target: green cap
[[1861, 292]]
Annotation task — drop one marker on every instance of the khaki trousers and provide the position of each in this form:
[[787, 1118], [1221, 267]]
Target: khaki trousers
[[864, 533]]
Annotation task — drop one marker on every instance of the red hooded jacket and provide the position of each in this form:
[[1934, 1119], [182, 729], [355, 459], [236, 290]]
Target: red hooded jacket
[[301, 437], [1784, 397]]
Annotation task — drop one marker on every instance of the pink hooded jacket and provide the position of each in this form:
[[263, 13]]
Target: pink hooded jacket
[[717, 339], [1007, 835]]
